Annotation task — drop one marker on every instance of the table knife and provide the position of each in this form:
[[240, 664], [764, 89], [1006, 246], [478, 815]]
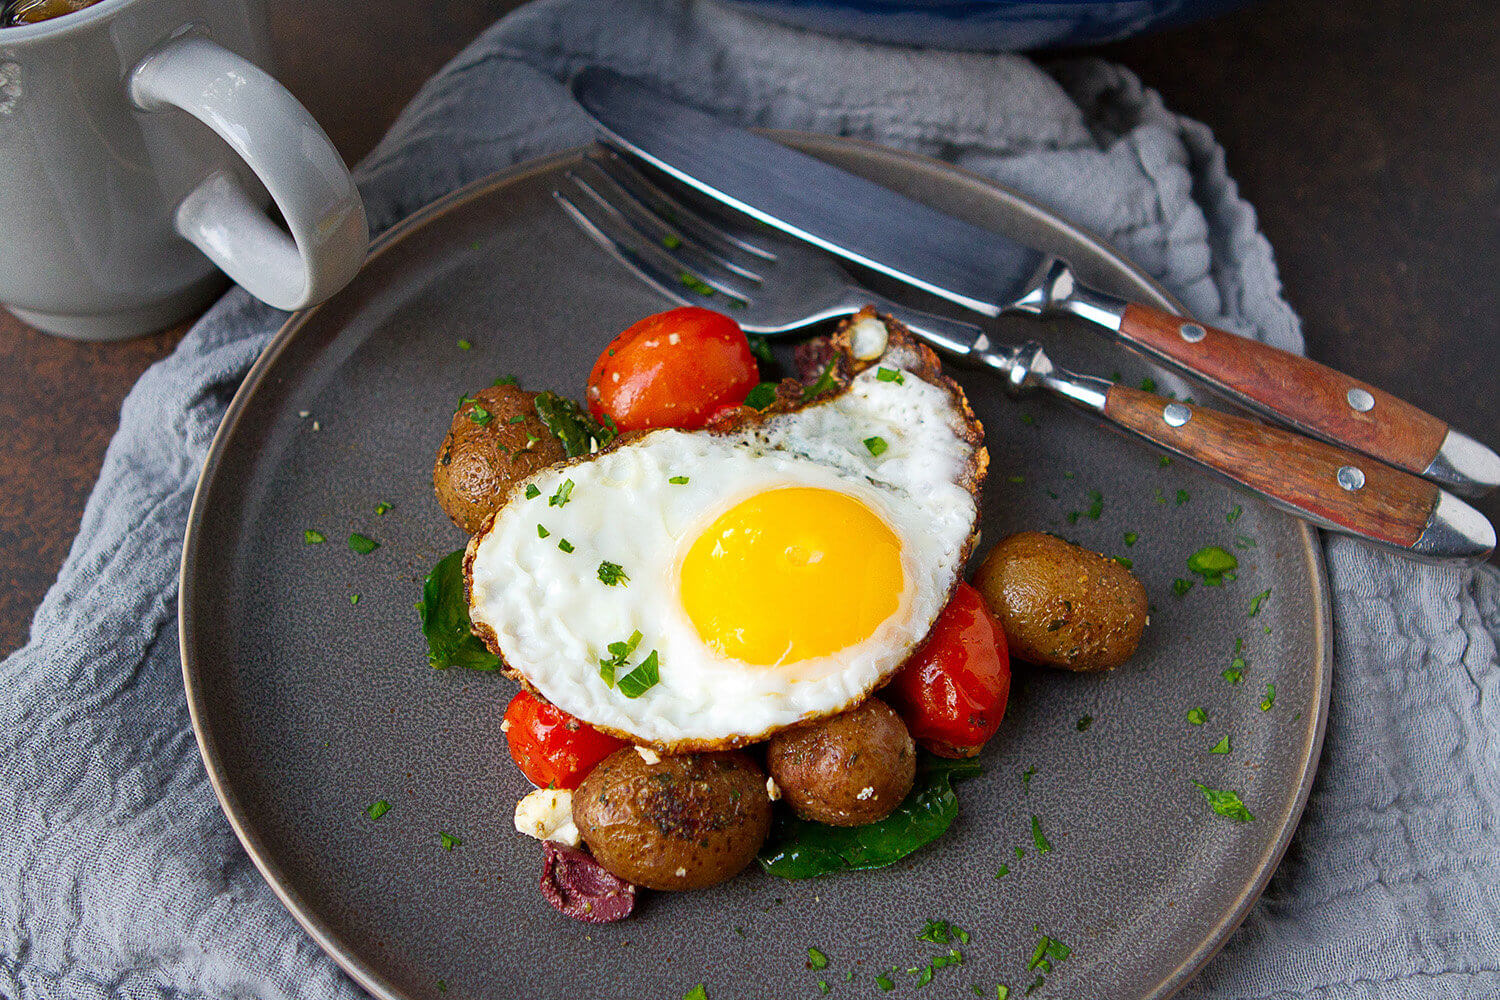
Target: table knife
[[991, 273]]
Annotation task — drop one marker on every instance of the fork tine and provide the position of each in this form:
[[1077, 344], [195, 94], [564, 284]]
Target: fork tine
[[627, 246], [664, 232], [647, 244], [658, 201]]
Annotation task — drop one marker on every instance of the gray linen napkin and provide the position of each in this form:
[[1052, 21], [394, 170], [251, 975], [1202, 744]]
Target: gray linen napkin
[[120, 877]]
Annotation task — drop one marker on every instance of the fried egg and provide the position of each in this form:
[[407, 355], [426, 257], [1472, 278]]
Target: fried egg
[[704, 589]]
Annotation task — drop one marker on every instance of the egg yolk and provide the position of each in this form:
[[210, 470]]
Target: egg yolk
[[790, 574]]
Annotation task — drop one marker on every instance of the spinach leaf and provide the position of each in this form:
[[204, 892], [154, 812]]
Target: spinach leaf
[[445, 619], [799, 848], [571, 424]]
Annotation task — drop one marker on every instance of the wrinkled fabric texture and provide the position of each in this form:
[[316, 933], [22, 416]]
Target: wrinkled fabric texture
[[119, 876]]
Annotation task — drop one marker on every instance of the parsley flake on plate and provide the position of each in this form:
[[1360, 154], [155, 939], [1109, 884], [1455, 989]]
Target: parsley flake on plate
[[312, 536], [382, 508], [1225, 803], [1043, 845], [1270, 699], [696, 993], [449, 841], [363, 544], [1222, 746], [1258, 600], [1197, 716], [378, 808], [816, 959]]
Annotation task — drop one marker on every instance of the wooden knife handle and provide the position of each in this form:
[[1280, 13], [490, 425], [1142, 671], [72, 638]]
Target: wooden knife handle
[[1346, 490], [1314, 398]]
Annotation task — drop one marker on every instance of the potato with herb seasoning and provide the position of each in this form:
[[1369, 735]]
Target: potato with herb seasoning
[[847, 770], [673, 822], [1061, 605], [495, 441]]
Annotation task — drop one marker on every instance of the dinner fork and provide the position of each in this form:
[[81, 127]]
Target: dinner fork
[[774, 285]]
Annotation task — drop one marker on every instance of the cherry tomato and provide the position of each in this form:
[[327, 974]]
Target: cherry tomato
[[952, 692], [551, 747], [674, 369]]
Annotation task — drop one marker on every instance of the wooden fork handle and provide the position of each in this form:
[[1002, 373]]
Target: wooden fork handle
[[1313, 398], [1339, 489]]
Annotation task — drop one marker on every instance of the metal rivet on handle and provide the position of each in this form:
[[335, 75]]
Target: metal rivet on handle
[[1192, 332], [1361, 400], [1175, 414], [1351, 477]]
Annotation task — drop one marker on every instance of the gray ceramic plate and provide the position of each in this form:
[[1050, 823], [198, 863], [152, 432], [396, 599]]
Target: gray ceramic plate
[[309, 708]]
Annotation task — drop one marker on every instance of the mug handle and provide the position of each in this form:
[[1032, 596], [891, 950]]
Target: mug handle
[[273, 133]]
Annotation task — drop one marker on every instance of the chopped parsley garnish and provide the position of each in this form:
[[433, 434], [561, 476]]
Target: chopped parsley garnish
[[464, 345], [363, 544], [696, 993], [449, 841], [1235, 672], [1084, 721], [541, 531], [1073, 516], [678, 480], [619, 653], [565, 545], [1213, 564], [762, 396], [694, 283], [1182, 497], [1039, 839], [563, 495], [382, 508], [1148, 384], [442, 984], [517, 418], [1026, 777], [942, 932], [1181, 586], [532, 492], [1096, 505], [816, 959], [823, 384], [480, 415], [378, 808], [505, 380], [1244, 542], [1070, 475], [353, 598], [1225, 803], [1270, 698], [671, 241], [1003, 871], [1020, 852], [1018, 478], [823, 987], [760, 347], [890, 375], [1125, 561], [312, 536], [1220, 747], [1197, 716], [1131, 538], [642, 679], [1164, 461], [611, 574], [1028, 420], [1258, 600], [876, 445], [1161, 497], [1002, 993], [1234, 515], [885, 982]]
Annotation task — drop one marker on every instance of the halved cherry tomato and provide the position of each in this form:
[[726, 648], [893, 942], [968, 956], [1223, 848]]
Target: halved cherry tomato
[[551, 747], [953, 690], [674, 369]]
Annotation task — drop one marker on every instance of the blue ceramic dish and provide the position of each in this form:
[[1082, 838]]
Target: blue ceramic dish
[[986, 24]]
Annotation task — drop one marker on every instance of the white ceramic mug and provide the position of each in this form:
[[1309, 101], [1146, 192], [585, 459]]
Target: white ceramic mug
[[139, 140]]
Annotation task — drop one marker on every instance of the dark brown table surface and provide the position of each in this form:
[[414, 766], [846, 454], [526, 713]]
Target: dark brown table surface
[[1367, 135]]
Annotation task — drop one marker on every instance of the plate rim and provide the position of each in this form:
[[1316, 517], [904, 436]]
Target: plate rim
[[345, 956]]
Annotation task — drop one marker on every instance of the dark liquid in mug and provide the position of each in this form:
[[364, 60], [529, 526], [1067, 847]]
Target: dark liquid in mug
[[18, 12]]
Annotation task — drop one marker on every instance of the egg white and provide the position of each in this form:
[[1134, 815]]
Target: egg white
[[553, 619]]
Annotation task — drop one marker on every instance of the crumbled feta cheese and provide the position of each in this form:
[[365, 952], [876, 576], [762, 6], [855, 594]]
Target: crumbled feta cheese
[[547, 814], [303, 413], [682, 873], [317, 426], [867, 338], [505, 725], [773, 790], [648, 755], [867, 792]]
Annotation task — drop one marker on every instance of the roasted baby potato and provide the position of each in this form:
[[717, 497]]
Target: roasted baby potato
[[679, 822], [496, 440], [848, 770], [1062, 605]]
